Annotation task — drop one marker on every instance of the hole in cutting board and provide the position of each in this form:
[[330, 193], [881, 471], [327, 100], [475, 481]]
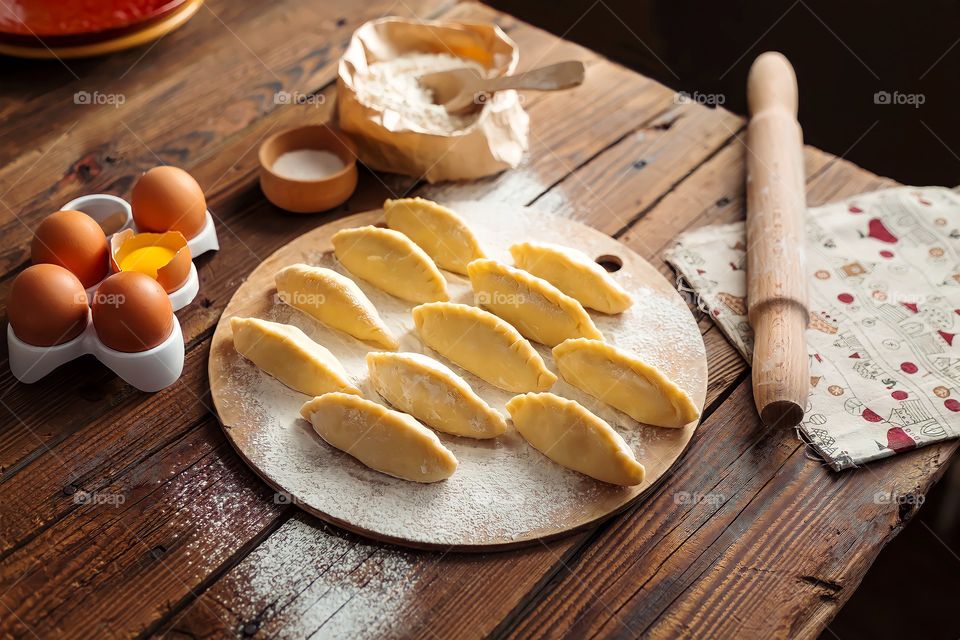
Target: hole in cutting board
[[610, 263]]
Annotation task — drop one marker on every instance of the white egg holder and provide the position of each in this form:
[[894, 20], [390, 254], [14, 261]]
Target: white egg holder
[[103, 206], [149, 370]]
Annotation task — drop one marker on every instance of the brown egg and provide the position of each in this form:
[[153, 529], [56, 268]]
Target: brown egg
[[47, 305], [131, 312], [75, 241], [168, 199]]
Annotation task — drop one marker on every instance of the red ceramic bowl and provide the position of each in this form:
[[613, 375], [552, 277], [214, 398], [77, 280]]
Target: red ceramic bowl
[[64, 23]]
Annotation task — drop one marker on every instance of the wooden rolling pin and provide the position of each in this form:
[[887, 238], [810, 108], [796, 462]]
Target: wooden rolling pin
[[776, 211]]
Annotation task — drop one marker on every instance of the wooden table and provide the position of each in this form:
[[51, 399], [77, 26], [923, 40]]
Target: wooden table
[[124, 513]]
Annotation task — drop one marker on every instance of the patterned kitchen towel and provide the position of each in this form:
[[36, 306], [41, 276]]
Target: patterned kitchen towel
[[884, 314]]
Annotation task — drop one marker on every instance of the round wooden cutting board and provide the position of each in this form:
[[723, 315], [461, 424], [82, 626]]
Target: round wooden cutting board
[[504, 493]]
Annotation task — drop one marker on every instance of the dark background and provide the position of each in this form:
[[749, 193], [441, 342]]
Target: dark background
[[844, 53]]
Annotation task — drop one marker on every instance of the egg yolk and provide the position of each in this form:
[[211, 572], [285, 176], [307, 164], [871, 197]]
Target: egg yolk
[[147, 260]]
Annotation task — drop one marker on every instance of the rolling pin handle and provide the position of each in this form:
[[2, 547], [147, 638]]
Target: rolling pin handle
[[776, 374], [772, 84]]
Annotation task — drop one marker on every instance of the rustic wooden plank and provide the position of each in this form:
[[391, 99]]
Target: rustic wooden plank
[[147, 552], [805, 589], [561, 138], [767, 545], [89, 459], [732, 520], [308, 577], [31, 85], [714, 194], [644, 166]]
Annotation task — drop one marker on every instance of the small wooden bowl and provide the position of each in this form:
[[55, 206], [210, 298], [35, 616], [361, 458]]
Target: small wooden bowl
[[308, 196]]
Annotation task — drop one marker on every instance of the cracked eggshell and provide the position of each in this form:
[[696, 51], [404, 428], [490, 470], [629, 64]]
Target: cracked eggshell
[[170, 276]]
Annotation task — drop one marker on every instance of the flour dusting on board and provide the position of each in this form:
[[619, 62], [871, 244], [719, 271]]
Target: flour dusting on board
[[504, 490]]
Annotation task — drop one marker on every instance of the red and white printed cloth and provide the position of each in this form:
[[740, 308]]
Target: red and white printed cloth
[[884, 317]]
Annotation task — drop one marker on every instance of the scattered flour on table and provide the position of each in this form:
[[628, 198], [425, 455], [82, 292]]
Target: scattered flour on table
[[393, 87], [504, 489], [298, 584]]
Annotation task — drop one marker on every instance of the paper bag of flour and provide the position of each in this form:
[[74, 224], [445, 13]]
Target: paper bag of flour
[[387, 140]]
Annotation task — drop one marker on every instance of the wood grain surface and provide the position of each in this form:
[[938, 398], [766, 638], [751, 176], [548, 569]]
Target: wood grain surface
[[125, 514]]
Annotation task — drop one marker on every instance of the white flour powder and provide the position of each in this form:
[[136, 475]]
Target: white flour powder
[[393, 87]]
